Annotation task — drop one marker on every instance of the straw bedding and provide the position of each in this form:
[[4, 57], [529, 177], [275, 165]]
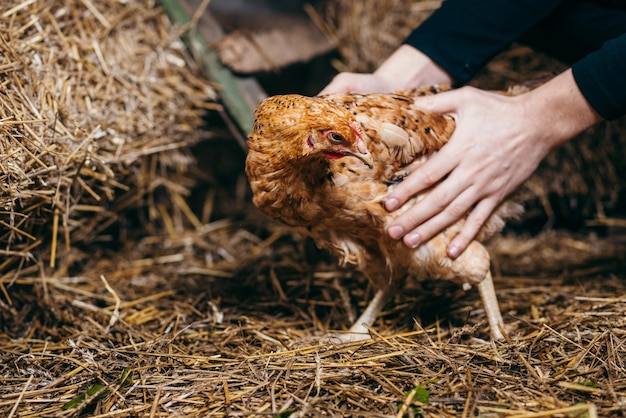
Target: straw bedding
[[186, 312], [245, 339]]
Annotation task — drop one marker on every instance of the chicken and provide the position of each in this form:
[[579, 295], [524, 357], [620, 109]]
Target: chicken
[[323, 165]]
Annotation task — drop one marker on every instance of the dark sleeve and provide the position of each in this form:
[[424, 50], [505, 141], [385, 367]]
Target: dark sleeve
[[601, 77], [462, 35]]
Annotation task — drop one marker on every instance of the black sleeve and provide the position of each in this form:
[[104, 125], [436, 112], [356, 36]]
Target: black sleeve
[[601, 77], [462, 35]]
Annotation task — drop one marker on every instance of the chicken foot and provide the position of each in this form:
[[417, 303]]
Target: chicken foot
[[492, 309], [359, 331]]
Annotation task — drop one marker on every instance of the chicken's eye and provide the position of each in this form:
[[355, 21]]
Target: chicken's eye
[[335, 137]]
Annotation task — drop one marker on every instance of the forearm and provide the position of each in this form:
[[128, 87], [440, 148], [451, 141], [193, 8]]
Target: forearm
[[558, 111]]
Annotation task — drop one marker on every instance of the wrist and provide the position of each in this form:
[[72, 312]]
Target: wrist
[[408, 67], [560, 110]]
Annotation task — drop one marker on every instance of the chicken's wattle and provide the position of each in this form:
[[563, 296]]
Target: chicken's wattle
[[333, 155]]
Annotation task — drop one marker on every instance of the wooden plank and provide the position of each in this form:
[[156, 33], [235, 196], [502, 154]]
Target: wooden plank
[[271, 40], [240, 95]]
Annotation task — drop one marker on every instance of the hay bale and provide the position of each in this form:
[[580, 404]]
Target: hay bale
[[98, 106]]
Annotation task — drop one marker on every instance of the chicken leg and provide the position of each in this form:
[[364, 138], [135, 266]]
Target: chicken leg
[[492, 309], [359, 331]]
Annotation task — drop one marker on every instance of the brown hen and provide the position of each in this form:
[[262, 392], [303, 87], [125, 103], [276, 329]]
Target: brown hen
[[323, 165]]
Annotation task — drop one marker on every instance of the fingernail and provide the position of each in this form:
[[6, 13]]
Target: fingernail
[[391, 204], [412, 240], [395, 232], [453, 251]]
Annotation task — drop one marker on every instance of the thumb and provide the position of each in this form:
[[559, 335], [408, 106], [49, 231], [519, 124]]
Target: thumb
[[342, 83], [355, 83]]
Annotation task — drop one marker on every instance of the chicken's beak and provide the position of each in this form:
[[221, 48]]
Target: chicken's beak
[[362, 153]]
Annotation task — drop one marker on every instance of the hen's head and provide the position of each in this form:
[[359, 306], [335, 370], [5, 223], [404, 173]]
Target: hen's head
[[301, 127]]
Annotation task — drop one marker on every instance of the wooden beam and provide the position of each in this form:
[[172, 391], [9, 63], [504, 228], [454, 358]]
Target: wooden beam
[[240, 95]]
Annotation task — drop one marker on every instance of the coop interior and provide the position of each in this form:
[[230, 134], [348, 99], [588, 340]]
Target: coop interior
[[138, 279]]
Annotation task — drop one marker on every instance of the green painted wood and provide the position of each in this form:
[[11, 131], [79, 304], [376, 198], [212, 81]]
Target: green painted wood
[[239, 95]]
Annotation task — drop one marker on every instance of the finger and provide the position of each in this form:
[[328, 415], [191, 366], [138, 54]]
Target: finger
[[434, 225], [434, 213], [341, 83], [446, 102], [337, 85], [473, 224], [433, 204], [431, 172]]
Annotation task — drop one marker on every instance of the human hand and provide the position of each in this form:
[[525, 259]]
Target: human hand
[[356, 83], [498, 142], [406, 68]]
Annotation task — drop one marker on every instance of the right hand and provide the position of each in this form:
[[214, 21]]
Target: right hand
[[498, 142]]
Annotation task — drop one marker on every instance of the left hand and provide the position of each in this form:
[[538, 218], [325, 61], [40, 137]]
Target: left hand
[[498, 142]]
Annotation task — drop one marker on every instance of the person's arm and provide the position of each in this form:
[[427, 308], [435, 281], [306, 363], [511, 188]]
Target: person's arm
[[449, 47], [498, 143], [461, 36], [601, 77]]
